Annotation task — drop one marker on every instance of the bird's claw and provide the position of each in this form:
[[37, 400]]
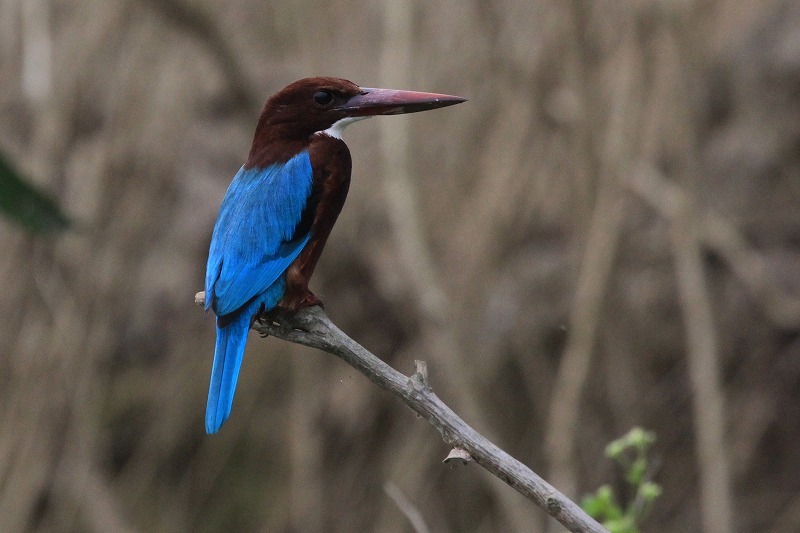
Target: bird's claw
[[282, 318], [310, 300]]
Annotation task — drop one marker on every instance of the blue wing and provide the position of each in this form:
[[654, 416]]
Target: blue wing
[[253, 243], [254, 239]]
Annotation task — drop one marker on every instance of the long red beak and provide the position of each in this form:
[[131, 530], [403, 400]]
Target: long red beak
[[393, 102]]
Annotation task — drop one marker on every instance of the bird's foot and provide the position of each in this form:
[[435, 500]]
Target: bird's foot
[[296, 300], [277, 316], [284, 317], [310, 299], [283, 314]]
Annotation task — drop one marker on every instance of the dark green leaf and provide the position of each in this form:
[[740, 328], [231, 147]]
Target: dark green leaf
[[27, 205]]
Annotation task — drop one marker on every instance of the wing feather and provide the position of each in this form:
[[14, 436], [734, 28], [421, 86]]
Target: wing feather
[[254, 239]]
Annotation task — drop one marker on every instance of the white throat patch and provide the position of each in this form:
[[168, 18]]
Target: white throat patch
[[338, 127]]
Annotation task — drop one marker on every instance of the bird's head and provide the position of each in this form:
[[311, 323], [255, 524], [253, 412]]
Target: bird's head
[[315, 105]]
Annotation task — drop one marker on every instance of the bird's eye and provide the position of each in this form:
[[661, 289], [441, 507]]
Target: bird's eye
[[323, 97]]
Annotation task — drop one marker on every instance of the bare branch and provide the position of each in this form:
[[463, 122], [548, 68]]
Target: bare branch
[[312, 327]]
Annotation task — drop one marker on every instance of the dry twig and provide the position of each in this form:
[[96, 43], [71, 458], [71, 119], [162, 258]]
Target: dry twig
[[406, 507], [708, 401], [720, 235], [312, 327]]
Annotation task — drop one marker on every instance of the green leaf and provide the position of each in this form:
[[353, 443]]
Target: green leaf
[[621, 525], [636, 471], [27, 205], [594, 506], [602, 505], [641, 439], [616, 448], [649, 491]]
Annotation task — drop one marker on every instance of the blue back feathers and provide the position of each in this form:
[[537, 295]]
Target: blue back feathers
[[253, 244], [253, 241]]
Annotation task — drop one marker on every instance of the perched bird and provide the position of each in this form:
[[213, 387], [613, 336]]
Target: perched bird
[[280, 209]]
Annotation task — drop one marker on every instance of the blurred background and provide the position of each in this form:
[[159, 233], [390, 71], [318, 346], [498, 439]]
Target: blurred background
[[606, 235]]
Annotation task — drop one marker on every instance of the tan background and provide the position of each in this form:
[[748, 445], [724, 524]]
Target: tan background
[[606, 235]]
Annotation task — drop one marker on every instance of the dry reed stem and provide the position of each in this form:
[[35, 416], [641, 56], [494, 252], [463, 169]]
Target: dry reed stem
[[702, 345]]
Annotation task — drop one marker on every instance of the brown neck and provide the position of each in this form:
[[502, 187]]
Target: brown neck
[[331, 163]]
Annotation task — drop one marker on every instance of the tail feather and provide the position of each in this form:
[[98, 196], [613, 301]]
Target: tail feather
[[228, 354]]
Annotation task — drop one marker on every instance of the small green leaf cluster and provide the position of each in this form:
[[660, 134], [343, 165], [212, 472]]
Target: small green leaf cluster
[[630, 452]]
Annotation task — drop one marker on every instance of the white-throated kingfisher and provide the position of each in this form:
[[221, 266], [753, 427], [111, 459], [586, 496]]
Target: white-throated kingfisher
[[280, 209]]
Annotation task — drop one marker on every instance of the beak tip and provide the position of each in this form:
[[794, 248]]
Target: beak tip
[[373, 101]]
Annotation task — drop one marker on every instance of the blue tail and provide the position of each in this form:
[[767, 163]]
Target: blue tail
[[228, 355]]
